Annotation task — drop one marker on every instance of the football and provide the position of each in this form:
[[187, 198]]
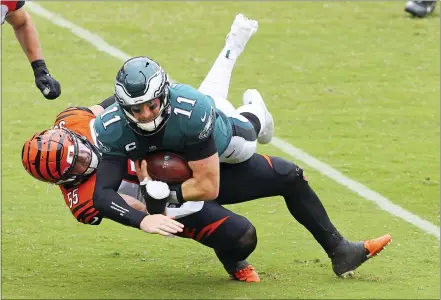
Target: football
[[168, 167]]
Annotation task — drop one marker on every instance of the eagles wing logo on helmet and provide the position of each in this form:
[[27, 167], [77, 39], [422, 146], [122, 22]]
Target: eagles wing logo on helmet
[[153, 86], [138, 81]]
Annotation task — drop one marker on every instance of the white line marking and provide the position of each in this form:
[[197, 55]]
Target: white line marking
[[82, 33], [360, 189]]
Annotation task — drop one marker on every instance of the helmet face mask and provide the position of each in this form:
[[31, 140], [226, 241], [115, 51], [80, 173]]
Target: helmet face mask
[[139, 81], [60, 156], [83, 158]]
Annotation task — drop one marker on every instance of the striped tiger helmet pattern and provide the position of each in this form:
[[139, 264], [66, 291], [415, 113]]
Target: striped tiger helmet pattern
[[53, 156]]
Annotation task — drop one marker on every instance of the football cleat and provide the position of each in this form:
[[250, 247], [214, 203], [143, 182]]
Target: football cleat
[[348, 256], [241, 31], [247, 274], [253, 97], [420, 8]]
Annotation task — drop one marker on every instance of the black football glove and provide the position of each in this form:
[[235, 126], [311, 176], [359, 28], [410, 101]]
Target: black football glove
[[49, 86]]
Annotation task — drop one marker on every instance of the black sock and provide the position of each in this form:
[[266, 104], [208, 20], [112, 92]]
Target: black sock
[[253, 120], [230, 265], [307, 209]]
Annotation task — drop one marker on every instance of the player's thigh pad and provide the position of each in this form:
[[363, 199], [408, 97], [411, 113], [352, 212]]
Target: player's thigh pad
[[215, 226], [243, 143]]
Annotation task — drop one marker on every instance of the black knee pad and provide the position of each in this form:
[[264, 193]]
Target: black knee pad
[[249, 239], [246, 244], [291, 172]]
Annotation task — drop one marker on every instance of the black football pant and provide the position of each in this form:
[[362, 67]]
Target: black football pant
[[233, 236]]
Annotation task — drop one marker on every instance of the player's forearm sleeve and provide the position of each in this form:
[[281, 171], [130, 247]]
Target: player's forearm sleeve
[[106, 199]]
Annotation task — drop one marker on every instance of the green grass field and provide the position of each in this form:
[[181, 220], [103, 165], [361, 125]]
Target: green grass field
[[354, 84]]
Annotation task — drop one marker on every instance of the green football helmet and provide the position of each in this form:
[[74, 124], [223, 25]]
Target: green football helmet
[[140, 80]]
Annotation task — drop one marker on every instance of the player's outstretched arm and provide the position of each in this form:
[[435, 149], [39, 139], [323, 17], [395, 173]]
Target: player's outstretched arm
[[155, 224], [112, 206], [27, 36], [106, 199], [26, 33]]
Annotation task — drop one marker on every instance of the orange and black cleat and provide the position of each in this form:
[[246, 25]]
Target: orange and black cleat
[[375, 246], [348, 256], [247, 274]]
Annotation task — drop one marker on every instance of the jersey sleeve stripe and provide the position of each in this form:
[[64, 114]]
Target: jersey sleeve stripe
[[88, 212], [88, 217], [79, 207]]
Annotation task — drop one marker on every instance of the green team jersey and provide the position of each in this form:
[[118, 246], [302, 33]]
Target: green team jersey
[[193, 119]]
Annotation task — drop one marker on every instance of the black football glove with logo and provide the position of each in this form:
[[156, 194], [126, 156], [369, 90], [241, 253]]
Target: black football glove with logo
[[49, 86]]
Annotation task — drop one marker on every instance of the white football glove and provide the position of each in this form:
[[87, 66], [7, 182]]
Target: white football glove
[[155, 194], [157, 189]]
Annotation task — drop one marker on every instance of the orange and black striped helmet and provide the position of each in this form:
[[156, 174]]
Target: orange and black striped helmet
[[60, 156]]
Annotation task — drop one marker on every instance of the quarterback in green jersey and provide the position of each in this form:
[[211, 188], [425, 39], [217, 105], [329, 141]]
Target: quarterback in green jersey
[[152, 114]]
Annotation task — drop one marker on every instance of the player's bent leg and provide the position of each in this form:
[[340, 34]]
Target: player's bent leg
[[225, 106], [232, 237], [264, 176], [253, 97], [243, 142], [234, 259], [217, 81], [306, 207], [348, 256], [254, 105]]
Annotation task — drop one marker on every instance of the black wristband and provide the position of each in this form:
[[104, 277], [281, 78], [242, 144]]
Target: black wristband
[[176, 193], [39, 63]]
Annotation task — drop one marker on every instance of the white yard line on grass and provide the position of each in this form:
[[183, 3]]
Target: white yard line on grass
[[299, 155]]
